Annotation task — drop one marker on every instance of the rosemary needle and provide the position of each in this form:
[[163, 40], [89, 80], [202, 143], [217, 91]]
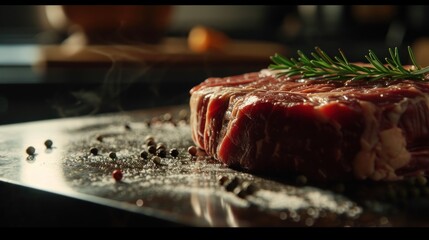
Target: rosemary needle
[[321, 65]]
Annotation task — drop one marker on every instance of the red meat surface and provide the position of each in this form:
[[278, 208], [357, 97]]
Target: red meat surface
[[323, 129]]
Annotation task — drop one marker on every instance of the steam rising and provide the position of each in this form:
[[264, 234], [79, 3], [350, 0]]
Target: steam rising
[[125, 70]]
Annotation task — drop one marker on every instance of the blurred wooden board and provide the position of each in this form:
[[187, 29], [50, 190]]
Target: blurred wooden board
[[171, 51]]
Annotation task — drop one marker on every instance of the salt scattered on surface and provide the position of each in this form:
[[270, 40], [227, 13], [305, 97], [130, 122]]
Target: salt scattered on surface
[[186, 180], [279, 200]]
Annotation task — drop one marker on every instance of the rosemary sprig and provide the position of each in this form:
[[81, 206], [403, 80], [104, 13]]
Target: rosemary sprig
[[339, 68]]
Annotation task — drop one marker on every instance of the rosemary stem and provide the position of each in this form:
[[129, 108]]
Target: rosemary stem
[[321, 64]]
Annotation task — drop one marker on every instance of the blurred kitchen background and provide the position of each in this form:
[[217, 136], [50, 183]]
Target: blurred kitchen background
[[61, 61]]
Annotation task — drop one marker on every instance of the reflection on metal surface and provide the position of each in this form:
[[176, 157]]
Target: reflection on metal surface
[[201, 205], [44, 169], [184, 189]]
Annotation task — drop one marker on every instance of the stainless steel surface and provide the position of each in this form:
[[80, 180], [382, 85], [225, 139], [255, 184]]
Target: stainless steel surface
[[183, 190]]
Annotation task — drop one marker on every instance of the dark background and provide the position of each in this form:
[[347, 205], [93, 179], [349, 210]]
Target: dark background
[[27, 94]]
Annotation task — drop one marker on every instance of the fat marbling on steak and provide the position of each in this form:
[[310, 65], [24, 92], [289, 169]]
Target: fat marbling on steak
[[323, 129]]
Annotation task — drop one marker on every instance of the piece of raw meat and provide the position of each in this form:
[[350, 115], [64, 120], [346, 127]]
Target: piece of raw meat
[[323, 129]]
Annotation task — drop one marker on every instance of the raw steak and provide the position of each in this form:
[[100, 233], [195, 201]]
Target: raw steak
[[325, 130]]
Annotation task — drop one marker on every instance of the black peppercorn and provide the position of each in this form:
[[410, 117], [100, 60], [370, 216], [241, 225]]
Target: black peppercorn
[[240, 192], [156, 160], [151, 143], [249, 187], [301, 180], [222, 180], [232, 184], [149, 138], [174, 152], [160, 146], [48, 143], [112, 155], [161, 153], [144, 154], [30, 150], [151, 149], [93, 150]]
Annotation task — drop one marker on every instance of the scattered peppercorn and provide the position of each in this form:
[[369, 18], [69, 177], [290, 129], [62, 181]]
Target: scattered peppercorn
[[117, 175], [232, 184], [151, 143], [30, 150], [156, 160], [174, 152], [240, 192], [99, 138], [48, 143], [160, 146], [112, 155], [93, 150], [144, 154], [192, 150], [161, 153], [301, 180], [149, 138], [222, 180], [249, 187], [151, 149]]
